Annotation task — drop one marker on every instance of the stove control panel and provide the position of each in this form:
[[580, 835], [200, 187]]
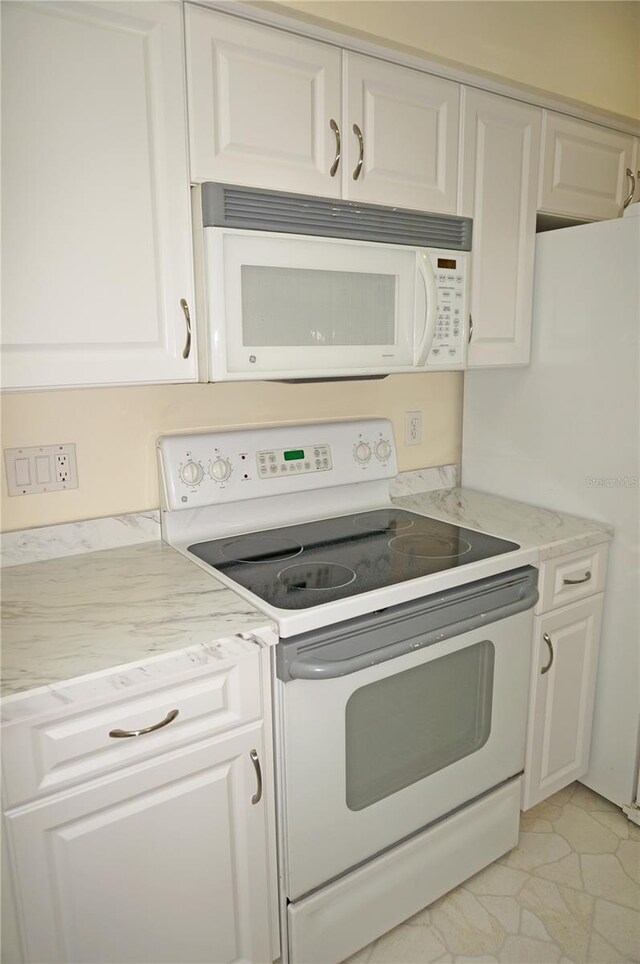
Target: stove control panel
[[217, 467], [312, 458]]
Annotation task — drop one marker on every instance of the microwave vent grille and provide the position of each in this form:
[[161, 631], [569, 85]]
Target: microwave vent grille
[[224, 205]]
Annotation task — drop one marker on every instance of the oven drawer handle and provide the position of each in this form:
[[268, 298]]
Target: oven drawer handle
[[314, 667]]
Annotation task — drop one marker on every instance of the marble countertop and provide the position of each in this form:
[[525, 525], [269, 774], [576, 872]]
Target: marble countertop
[[76, 625], [96, 612], [550, 533]]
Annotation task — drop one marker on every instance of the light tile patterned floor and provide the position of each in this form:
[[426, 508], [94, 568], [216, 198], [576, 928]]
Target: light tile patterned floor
[[570, 892]]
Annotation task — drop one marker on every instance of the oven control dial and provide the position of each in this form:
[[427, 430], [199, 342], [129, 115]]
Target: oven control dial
[[362, 452], [383, 450], [220, 470], [191, 473]]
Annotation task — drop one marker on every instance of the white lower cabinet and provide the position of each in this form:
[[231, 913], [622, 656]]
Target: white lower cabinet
[[565, 660], [169, 859]]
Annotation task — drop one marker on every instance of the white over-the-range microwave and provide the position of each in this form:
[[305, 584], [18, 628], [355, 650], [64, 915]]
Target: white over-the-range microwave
[[300, 287]]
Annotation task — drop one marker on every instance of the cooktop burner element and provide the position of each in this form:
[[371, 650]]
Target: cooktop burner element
[[382, 520], [316, 576], [430, 547], [345, 555], [260, 548]]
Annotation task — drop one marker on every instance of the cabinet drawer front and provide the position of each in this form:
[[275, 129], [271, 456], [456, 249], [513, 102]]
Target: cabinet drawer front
[[583, 168], [47, 755], [572, 577]]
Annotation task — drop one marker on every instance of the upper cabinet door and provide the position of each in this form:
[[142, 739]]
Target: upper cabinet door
[[401, 136], [584, 168], [95, 215], [261, 103], [501, 143]]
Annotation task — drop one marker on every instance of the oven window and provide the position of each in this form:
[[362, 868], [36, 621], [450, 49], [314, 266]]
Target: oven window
[[405, 727]]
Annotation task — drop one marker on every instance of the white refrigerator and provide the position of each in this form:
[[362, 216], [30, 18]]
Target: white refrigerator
[[564, 433]]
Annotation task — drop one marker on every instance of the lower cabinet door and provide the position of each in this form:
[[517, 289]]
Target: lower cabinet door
[[565, 662], [166, 862]]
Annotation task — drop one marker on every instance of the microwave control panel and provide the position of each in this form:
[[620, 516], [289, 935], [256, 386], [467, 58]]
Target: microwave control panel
[[448, 348]]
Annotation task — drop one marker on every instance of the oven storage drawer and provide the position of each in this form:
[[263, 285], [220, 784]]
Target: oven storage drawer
[[50, 753], [348, 914]]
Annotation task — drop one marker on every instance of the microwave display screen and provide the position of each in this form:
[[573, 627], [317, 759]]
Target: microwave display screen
[[447, 263], [294, 454]]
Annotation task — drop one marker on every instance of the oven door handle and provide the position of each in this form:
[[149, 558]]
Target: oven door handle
[[314, 667]]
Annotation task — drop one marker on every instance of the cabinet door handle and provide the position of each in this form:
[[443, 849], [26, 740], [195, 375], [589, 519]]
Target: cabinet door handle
[[187, 317], [632, 179], [257, 797], [576, 582], [336, 130], [169, 718], [358, 168], [547, 639], [470, 329]]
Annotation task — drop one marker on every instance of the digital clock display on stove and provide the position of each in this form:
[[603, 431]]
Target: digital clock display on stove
[[293, 455]]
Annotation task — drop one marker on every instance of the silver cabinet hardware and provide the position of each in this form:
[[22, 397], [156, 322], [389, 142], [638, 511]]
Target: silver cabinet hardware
[[336, 130], [257, 797], [547, 639], [169, 718], [187, 317], [632, 179], [470, 330], [576, 582], [358, 133]]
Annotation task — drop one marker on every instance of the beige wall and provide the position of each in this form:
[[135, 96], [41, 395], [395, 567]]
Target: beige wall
[[584, 51], [115, 429]]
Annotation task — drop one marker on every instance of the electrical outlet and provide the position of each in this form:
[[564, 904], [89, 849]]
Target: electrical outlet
[[62, 466], [41, 468], [412, 428]]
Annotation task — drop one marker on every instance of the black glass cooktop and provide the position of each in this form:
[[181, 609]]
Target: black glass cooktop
[[316, 562]]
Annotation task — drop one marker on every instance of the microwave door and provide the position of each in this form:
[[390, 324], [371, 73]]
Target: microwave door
[[426, 306], [292, 306]]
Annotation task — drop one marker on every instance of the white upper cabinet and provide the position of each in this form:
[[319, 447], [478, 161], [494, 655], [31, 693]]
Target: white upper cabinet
[[401, 136], [584, 168], [266, 110], [261, 104], [95, 208], [501, 143]]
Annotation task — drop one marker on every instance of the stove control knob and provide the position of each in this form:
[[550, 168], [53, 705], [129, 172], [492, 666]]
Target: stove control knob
[[191, 473], [220, 470], [362, 452], [383, 450]]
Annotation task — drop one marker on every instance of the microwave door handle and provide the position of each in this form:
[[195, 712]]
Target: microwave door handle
[[425, 270]]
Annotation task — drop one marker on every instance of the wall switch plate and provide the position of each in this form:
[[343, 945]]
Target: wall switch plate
[[412, 428], [41, 468]]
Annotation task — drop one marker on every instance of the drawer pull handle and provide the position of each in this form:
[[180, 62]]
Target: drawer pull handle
[[576, 582], [547, 639], [336, 130], [169, 718], [257, 797]]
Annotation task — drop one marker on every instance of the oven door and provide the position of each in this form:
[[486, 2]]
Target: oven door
[[375, 755]]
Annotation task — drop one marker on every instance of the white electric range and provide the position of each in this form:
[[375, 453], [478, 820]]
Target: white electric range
[[400, 679]]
